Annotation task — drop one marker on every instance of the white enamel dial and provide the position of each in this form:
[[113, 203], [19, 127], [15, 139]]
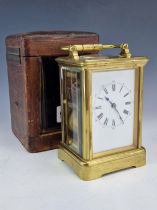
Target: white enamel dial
[[112, 104], [113, 109]]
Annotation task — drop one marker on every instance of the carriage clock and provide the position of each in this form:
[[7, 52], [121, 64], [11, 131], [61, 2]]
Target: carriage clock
[[101, 110]]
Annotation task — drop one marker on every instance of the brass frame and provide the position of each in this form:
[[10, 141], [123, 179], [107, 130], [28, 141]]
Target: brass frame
[[91, 166], [136, 96]]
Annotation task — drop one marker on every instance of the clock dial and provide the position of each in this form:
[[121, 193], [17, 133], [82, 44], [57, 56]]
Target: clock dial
[[113, 109], [112, 104]]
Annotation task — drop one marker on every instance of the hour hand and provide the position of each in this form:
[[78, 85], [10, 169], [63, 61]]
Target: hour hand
[[107, 99], [113, 105]]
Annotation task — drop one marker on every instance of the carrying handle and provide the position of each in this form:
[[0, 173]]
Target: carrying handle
[[74, 49]]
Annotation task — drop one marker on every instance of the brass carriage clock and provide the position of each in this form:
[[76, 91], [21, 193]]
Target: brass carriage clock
[[101, 110]]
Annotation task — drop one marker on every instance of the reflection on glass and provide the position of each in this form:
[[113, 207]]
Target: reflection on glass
[[72, 82]]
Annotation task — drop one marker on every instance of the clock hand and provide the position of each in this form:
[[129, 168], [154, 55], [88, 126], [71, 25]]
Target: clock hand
[[107, 99], [113, 105], [119, 114]]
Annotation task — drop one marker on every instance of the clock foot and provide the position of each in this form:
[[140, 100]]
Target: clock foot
[[140, 164], [89, 170]]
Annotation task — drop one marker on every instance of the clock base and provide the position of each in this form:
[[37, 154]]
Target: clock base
[[89, 170]]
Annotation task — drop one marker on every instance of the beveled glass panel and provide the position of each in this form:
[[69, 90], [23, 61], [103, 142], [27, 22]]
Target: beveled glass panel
[[73, 108]]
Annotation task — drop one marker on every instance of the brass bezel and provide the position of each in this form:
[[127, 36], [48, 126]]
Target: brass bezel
[[135, 144]]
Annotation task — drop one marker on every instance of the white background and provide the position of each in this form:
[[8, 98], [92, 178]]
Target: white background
[[41, 181]]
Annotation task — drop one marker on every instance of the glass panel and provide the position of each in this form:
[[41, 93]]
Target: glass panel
[[113, 109], [73, 108]]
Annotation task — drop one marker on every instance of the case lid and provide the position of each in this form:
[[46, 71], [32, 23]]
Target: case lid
[[47, 43]]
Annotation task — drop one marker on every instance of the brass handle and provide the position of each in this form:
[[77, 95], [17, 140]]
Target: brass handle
[[74, 49]]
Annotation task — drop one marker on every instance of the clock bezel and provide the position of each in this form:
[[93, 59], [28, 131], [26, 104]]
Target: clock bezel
[[136, 110]]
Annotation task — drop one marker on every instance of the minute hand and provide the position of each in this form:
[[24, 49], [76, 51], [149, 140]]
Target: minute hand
[[118, 114]]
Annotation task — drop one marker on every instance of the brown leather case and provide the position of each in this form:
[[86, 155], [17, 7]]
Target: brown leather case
[[34, 84]]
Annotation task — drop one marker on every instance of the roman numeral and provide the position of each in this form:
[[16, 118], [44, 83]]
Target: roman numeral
[[113, 123], [100, 98], [106, 91], [98, 107], [113, 87], [125, 111], [106, 121], [100, 116], [121, 88], [127, 103], [126, 94]]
